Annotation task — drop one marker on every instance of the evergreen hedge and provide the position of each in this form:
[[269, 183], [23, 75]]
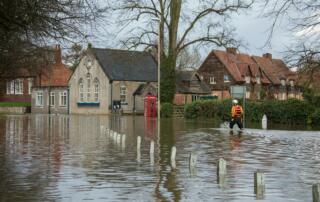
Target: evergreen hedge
[[290, 111]]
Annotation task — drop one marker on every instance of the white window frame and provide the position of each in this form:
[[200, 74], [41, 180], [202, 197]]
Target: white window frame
[[247, 78], [123, 94], [39, 102], [52, 99], [88, 87], [30, 84], [96, 87], [18, 87], [224, 78], [9, 87], [81, 90], [212, 81], [12, 87], [291, 83], [258, 78], [63, 99], [283, 82]]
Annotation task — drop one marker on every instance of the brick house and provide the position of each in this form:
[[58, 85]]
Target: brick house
[[284, 80], [51, 93], [17, 88], [222, 69], [189, 86], [107, 80]]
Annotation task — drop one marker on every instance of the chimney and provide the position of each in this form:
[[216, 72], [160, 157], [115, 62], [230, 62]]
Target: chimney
[[268, 56], [232, 50], [57, 54]]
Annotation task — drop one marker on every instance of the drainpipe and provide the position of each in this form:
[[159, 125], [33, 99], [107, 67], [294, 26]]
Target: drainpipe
[[68, 100], [49, 96], [134, 103]]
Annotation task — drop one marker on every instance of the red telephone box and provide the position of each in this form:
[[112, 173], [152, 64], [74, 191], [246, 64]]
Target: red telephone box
[[150, 106]]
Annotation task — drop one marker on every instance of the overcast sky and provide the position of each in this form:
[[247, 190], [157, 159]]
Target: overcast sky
[[251, 28]]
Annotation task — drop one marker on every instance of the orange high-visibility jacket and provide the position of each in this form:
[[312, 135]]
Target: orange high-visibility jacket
[[236, 111]]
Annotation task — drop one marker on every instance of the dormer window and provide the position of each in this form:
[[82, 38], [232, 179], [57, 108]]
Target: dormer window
[[226, 78], [258, 80], [291, 83], [212, 81], [247, 79]]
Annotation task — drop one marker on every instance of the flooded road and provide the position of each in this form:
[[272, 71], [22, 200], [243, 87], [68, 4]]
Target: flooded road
[[68, 158]]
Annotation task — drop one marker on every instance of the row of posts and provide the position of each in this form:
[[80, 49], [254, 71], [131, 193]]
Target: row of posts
[[259, 177]]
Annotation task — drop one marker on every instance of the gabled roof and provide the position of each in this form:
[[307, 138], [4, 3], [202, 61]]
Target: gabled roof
[[239, 65], [190, 82], [123, 65], [57, 75], [275, 69]]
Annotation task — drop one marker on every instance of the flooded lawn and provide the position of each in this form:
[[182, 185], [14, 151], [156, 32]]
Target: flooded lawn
[[68, 158]]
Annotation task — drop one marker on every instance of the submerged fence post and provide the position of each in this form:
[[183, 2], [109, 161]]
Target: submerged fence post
[[259, 184], [123, 142], [173, 157], [192, 163], [138, 148], [221, 171], [152, 152], [315, 192], [264, 122]]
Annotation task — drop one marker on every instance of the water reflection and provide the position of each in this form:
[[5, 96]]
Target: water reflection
[[69, 158]]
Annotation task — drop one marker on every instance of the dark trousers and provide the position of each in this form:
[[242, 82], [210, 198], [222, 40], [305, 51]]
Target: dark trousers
[[237, 121]]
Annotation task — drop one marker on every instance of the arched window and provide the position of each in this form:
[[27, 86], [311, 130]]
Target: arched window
[[96, 89], [123, 93], [81, 90], [88, 87]]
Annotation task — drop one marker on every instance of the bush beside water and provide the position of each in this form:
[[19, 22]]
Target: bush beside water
[[290, 111]]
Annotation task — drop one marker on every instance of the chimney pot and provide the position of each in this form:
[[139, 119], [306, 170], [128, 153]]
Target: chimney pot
[[268, 56], [232, 50], [58, 57]]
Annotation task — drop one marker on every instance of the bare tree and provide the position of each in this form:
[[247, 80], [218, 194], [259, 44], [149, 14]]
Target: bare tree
[[29, 26], [181, 24], [303, 17]]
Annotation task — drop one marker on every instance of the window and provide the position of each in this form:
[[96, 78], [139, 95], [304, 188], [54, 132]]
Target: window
[[88, 87], [30, 82], [212, 81], [18, 86], [226, 78], [247, 79], [283, 82], [96, 90], [123, 92], [258, 80], [291, 83], [9, 87], [12, 87], [63, 98], [52, 99], [39, 99], [81, 90]]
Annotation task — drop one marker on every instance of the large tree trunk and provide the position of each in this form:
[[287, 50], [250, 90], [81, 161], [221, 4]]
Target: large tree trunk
[[169, 64]]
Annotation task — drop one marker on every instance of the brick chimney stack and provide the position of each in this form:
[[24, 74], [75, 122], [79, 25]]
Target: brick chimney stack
[[232, 50], [268, 56], [58, 57]]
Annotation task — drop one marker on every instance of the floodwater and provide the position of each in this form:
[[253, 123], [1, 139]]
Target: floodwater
[[68, 158]]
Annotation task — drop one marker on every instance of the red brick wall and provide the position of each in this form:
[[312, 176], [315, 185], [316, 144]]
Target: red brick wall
[[25, 97]]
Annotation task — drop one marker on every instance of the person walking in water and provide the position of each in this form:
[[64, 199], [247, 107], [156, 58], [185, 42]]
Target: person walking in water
[[236, 115]]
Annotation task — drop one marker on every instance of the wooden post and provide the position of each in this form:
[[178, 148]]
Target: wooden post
[[119, 139], [259, 184], [264, 122], [173, 157], [102, 129], [315, 192], [221, 171], [123, 142], [138, 148], [192, 163], [152, 152]]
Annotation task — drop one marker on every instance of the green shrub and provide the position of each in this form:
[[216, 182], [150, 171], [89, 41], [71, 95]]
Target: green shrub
[[15, 104], [166, 110], [290, 111], [314, 118]]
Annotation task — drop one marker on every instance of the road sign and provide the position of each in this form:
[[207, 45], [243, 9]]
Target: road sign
[[238, 91]]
